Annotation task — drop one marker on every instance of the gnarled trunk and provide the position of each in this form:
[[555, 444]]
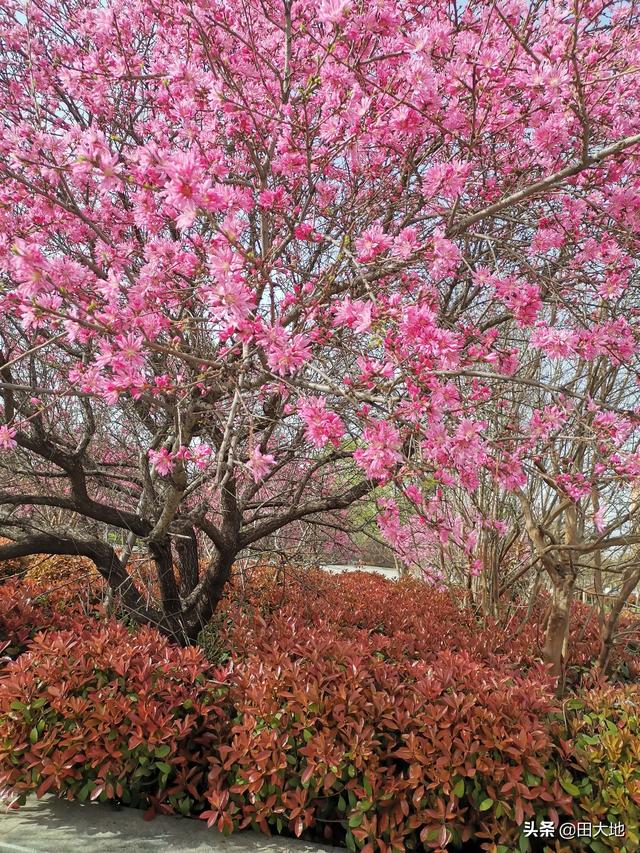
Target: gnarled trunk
[[188, 569]]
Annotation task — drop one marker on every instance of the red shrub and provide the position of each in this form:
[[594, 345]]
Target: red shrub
[[381, 755], [95, 712], [373, 714]]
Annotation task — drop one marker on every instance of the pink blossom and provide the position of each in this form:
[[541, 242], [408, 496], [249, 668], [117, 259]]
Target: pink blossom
[[574, 485], [200, 455], [226, 265], [356, 314], [405, 243], [7, 437], [321, 425], [232, 301], [333, 11], [303, 231], [372, 242], [446, 257], [162, 461], [476, 568], [520, 297], [381, 451], [271, 199], [557, 343], [285, 355], [260, 464], [186, 186]]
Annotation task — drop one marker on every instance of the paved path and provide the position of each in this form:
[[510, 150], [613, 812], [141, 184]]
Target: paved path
[[57, 826], [393, 574]]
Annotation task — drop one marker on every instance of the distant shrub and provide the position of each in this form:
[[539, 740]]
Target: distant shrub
[[14, 566], [64, 571]]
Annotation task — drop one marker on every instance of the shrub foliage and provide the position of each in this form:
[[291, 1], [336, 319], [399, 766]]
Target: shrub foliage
[[374, 715]]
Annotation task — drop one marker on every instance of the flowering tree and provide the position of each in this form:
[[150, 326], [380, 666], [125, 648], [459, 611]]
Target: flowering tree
[[570, 422], [261, 258]]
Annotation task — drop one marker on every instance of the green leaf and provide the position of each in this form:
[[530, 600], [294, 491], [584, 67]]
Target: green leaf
[[162, 751], [33, 735], [570, 788], [592, 740], [459, 788], [485, 804], [355, 821], [163, 767], [524, 844]]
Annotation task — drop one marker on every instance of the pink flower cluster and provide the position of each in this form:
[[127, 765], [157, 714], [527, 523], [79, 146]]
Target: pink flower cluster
[[321, 425], [260, 464], [7, 437], [381, 451], [164, 460]]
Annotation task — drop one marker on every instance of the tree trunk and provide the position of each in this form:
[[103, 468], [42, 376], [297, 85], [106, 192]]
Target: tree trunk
[[163, 558], [188, 569], [202, 603], [610, 626], [557, 634]]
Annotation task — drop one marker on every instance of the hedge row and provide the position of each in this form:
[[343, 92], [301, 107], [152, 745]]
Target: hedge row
[[350, 711]]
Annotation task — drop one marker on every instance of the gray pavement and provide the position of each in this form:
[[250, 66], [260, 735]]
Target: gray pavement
[[392, 574], [50, 825]]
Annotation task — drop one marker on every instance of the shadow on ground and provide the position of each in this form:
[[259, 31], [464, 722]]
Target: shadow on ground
[[57, 826]]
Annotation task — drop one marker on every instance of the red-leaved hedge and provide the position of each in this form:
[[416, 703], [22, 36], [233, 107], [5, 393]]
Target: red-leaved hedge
[[376, 715], [382, 755], [97, 712]]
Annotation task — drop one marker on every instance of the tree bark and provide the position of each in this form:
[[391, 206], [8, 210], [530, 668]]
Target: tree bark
[[611, 622], [557, 633], [188, 569], [200, 606], [161, 553]]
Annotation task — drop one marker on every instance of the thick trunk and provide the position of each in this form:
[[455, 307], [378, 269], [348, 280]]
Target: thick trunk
[[163, 558], [557, 633], [202, 603], [188, 569]]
